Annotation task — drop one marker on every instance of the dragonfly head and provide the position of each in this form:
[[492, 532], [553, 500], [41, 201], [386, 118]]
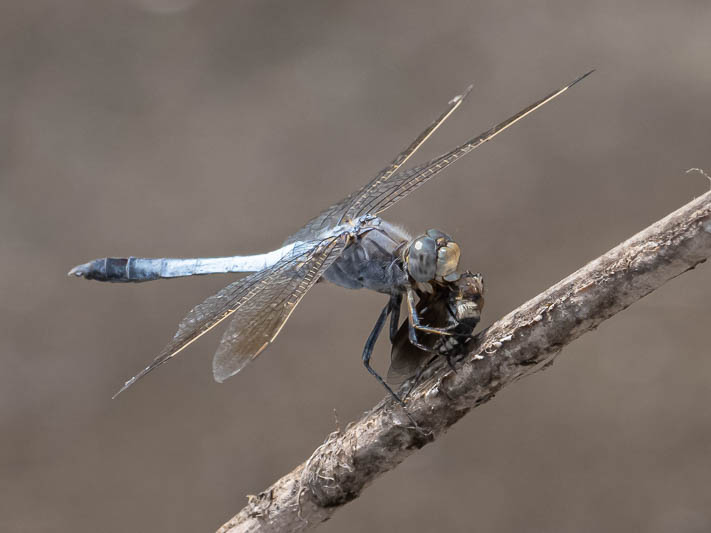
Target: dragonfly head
[[433, 256]]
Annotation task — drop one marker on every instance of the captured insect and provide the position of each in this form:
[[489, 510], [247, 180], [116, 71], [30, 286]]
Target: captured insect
[[455, 306]]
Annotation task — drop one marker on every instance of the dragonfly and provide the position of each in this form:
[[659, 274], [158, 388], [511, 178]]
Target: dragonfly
[[347, 244]]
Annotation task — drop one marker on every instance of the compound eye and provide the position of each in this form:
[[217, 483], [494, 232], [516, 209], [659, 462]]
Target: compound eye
[[447, 259], [422, 259]]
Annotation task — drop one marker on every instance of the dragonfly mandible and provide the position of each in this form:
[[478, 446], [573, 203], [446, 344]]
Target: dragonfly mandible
[[347, 244]]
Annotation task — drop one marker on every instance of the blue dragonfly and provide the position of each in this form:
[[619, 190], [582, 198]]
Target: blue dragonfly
[[347, 244]]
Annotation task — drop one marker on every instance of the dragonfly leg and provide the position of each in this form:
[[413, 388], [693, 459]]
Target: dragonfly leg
[[415, 322], [421, 370], [417, 377], [415, 325], [370, 344], [395, 302]]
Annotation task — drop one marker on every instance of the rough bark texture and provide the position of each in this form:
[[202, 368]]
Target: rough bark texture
[[519, 344]]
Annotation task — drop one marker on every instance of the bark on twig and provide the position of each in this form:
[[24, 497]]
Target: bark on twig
[[522, 342]]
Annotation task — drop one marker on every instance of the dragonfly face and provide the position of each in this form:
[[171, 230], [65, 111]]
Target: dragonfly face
[[347, 244], [433, 256]]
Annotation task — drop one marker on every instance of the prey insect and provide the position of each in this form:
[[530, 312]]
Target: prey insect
[[456, 307]]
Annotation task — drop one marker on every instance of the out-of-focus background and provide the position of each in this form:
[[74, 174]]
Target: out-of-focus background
[[196, 128]]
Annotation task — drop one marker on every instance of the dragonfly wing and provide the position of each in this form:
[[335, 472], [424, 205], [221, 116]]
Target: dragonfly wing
[[333, 215], [384, 193], [296, 272], [405, 358], [260, 319], [328, 218]]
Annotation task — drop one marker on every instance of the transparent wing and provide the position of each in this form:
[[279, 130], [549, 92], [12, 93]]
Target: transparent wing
[[271, 293], [382, 194], [260, 319], [333, 215], [405, 358]]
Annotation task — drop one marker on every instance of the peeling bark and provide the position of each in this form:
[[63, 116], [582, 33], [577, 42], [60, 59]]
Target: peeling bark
[[524, 341]]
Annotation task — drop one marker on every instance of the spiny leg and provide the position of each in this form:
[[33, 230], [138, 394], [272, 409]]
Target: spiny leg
[[395, 302], [414, 324], [414, 318], [370, 344], [417, 377]]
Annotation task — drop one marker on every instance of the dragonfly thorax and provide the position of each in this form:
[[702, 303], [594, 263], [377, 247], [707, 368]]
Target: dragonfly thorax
[[352, 227], [433, 256]]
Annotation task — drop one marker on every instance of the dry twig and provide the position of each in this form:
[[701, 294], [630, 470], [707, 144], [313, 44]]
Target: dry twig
[[522, 342]]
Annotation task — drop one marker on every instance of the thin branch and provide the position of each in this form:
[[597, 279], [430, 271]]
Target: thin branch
[[526, 340]]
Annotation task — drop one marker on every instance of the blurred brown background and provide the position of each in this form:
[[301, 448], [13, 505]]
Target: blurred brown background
[[189, 128]]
